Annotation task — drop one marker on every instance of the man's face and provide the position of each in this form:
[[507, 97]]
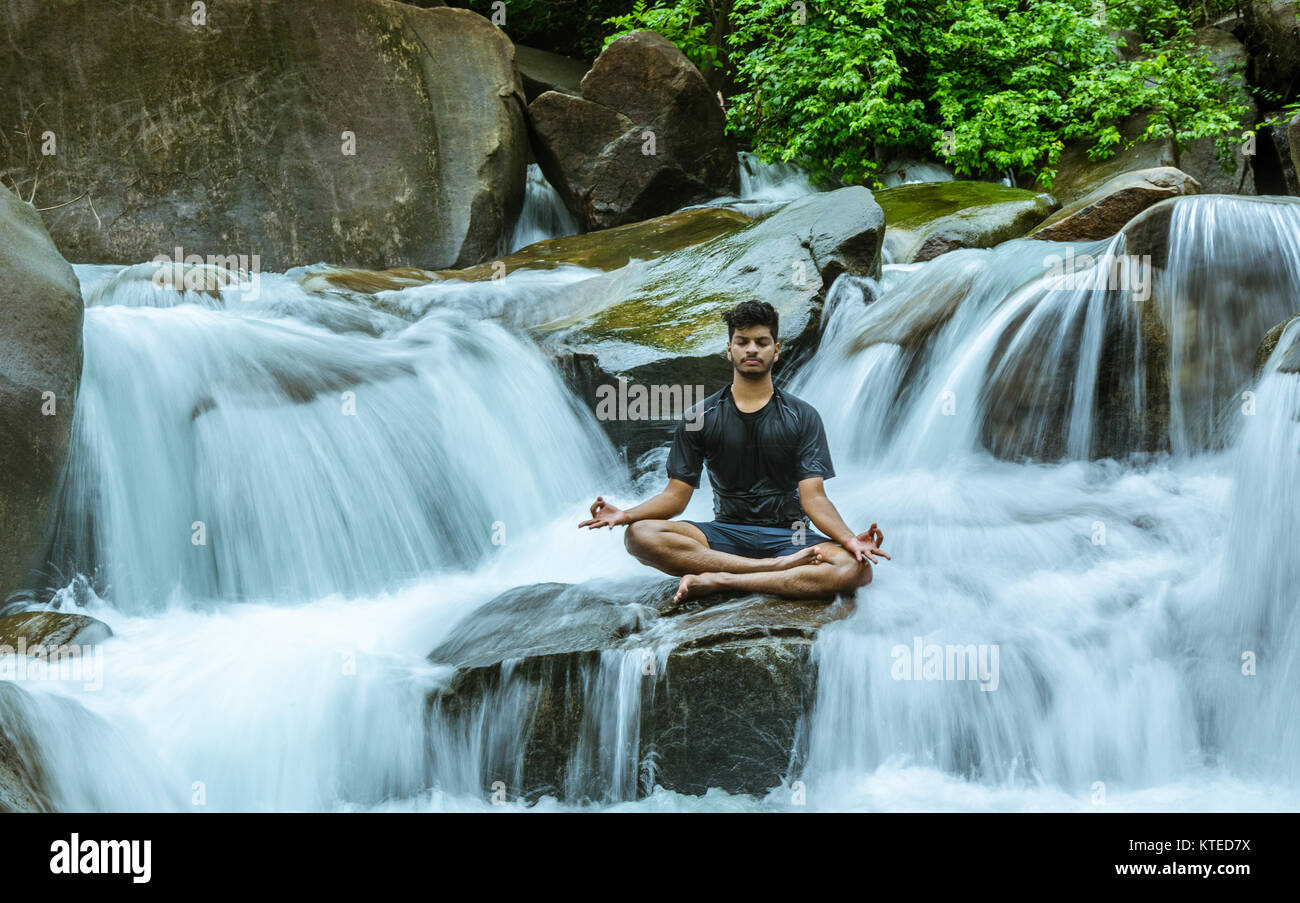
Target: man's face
[[752, 351]]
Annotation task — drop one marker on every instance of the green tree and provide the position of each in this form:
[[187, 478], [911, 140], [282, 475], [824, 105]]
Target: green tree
[[985, 85]]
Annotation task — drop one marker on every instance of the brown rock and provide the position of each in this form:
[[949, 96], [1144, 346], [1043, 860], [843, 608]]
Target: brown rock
[[645, 138], [1108, 208]]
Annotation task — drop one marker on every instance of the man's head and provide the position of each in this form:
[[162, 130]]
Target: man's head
[[752, 347]]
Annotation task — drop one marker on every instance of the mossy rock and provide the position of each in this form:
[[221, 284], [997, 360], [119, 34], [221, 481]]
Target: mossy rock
[[51, 628], [607, 250], [926, 219], [672, 305]]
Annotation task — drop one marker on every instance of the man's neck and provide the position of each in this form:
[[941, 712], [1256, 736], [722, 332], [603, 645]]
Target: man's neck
[[752, 393]]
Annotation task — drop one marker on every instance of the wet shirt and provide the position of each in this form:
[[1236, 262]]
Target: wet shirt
[[755, 460]]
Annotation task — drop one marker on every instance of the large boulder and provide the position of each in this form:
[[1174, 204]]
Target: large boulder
[[229, 130], [926, 219], [1028, 406], [645, 138], [1108, 208], [1283, 137], [570, 690], [40, 370], [1292, 140]]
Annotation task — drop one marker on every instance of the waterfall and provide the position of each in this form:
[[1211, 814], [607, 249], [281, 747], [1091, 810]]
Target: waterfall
[[1123, 595], [242, 452], [282, 499], [544, 214], [1257, 633], [1233, 267]]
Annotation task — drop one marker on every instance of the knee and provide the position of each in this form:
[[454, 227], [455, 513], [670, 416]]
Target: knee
[[865, 574], [638, 537], [854, 575]]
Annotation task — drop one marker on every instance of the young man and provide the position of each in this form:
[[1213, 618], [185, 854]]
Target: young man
[[767, 457]]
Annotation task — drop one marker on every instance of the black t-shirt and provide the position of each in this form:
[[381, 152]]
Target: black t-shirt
[[755, 460]]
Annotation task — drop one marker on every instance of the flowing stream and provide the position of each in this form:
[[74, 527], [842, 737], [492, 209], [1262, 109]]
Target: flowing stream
[[282, 503]]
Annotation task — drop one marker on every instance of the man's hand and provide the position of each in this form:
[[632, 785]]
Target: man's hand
[[865, 546], [603, 514]]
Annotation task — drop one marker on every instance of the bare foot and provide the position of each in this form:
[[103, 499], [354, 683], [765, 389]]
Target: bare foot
[[810, 555], [696, 585]]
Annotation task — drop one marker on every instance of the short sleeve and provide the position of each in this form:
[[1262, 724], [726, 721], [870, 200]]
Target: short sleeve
[[686, 457], [814, 453]]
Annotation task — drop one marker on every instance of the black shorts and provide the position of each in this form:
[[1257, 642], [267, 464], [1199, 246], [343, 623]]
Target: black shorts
[[752, 541]]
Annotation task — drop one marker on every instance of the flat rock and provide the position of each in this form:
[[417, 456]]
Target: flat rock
[[717, 690]]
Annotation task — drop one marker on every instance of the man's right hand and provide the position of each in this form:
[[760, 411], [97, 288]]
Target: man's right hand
[[603, 514]]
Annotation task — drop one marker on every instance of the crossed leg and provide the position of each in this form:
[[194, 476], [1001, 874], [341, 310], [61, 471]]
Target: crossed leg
[[837, 572], [821, 571], [679, 548]]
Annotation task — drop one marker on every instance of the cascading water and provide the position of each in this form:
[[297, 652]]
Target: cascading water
[[544, 214], [228, 453], [1117, 596], [977, 407]]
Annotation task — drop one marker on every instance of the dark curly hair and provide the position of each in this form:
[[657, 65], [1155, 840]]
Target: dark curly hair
[[751, 313]]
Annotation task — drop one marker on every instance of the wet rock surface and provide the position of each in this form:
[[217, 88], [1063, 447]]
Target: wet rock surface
[[609, 689]]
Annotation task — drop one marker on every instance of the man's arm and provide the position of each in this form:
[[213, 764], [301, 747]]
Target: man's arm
[[825, 517], [821, 511], [664, 506]]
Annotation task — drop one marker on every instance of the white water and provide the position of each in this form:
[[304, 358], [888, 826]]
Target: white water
[[544, 214], [282, 666]]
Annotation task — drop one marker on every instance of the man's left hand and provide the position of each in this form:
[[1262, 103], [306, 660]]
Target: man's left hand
[[865, 546]]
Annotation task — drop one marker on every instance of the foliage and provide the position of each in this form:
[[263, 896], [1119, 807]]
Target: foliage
[[688, 24], [985, 85]]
